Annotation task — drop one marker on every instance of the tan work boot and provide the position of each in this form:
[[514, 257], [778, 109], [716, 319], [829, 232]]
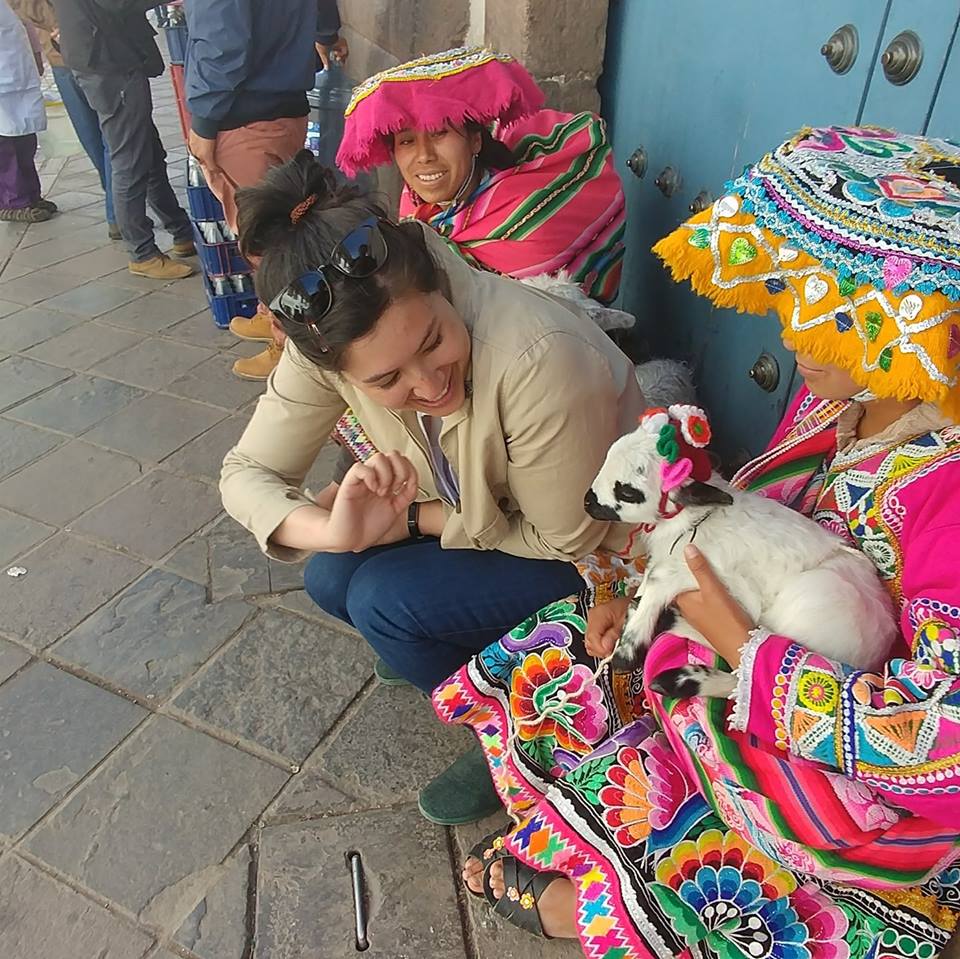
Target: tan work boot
[[257, 327], [259, 367], [160, 268], [183, 248]]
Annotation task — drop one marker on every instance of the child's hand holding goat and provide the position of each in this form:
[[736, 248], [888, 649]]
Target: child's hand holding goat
[[763, 565]]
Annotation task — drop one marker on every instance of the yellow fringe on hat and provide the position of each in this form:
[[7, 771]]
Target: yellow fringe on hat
[[730, 259]]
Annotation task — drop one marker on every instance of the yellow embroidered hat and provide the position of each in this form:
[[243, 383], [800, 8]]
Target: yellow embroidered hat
[[852, 236]]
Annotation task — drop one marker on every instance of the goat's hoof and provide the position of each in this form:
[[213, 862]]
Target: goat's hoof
[[682, 683]]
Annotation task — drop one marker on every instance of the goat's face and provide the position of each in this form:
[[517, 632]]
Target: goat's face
[[627, 488]]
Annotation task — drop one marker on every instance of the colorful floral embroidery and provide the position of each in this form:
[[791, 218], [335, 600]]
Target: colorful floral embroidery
[[718, 888], [550, 626], [626, 801], [817, 691], [551, 697]]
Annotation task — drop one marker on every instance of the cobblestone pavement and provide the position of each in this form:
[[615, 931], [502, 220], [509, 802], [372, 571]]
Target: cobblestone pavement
[[187, 746]]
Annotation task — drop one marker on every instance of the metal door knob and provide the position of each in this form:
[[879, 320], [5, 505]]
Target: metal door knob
[[701, 201], [637, 162], [766, 372], [841, 50], [668, 182], [902, 59]]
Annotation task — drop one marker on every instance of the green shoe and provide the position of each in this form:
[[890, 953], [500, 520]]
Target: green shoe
[[462, 793], [387, 676]]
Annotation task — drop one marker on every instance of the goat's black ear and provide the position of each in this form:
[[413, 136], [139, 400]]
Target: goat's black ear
[[702, 494]]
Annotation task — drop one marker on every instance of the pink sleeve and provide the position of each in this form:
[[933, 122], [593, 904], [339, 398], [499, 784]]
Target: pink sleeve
[[898, 732]]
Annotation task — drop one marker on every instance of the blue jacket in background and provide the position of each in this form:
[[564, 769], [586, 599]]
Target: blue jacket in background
[[252, 60]]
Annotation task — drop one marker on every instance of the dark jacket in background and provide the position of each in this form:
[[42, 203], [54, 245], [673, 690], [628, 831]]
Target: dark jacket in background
[[108, 36], [252, 60]]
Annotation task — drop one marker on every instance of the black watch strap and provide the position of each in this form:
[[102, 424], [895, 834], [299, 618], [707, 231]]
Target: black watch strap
[[413, 521]]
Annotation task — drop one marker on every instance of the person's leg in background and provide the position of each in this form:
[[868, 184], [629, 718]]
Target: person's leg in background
[[124, 107], [426, 612], [244, 155], [86, 125], [163, 201], [20, 183]]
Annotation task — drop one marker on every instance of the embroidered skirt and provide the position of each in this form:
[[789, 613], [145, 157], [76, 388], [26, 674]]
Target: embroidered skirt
[[649, 806]]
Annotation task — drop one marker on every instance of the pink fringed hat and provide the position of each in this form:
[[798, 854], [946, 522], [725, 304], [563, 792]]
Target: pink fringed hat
[[469, 83]]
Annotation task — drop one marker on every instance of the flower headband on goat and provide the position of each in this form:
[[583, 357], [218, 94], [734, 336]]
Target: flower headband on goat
[[683, 434], [468, 83], [852, 236]]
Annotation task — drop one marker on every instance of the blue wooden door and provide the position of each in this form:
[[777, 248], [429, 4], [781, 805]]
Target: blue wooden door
[[918, 36], [703, 89], [944, 117]]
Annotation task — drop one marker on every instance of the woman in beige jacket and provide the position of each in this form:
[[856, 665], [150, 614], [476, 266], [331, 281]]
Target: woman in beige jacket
[[498, 402]]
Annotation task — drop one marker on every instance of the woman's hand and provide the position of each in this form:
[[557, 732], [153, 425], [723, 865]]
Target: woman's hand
[[604, 626], [712, 611], [371, 503]]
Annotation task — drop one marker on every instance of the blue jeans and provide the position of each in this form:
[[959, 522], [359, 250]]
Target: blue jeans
[[86, 123], [426, 611]]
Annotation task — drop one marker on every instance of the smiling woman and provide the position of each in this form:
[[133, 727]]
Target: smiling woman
[[495, 404]]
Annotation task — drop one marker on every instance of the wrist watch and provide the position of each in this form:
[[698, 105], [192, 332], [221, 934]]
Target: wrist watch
[[413, 521]]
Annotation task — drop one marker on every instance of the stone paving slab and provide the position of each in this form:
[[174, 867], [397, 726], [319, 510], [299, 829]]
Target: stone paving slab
[[213, 382], [66, 580], [191, 561], [237, 565], [309, 796], [157, 819], [12, 658], [54, 728], [200, 330], [153, 515], [153, 364], [20, 444], [392, 747], [91, 299], [34, 287], [217, 927], [21, 378], [305, 905], [203, 456], [76, 405], [41, 918], [68, 481], [280, 685], [154, 635], [18, 534], [154, 426], [82, 346], [20, 331], [153, 312]]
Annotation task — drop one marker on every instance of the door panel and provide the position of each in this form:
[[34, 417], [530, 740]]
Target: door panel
[[905, 107], [945, 115], [706, 89]]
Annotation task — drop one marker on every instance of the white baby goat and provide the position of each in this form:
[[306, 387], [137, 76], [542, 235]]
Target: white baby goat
[[790, 575]]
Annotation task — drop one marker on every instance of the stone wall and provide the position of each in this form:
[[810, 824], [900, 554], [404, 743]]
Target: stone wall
[[560, 41]]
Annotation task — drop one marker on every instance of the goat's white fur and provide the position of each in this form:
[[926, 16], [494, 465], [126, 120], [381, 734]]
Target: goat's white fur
[[790, 575]]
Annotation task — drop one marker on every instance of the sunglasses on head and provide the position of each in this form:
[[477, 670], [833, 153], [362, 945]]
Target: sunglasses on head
[[309, 297]]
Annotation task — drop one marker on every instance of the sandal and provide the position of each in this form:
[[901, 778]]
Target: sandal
[[524, 886], [484, 851]]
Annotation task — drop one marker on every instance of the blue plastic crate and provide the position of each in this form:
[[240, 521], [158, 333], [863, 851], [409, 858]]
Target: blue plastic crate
[[226, 306], [177, 43], [203, 204], [220, 259]]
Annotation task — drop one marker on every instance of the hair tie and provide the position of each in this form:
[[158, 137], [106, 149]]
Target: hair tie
[[296, 214]]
